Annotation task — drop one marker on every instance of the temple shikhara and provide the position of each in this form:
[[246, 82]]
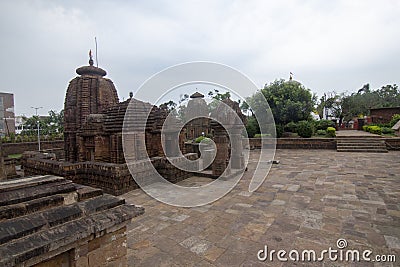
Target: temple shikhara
[[93, 135]]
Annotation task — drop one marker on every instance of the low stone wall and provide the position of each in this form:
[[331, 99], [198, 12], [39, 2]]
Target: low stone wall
[[294, 143], [112, 178], [9, 168], [169, 171], [392, 143], [19, 148]]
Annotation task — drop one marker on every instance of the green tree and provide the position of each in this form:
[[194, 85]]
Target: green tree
[[217, 97], [252, 126], [361, 102], [170, 105], [289, 101], [49, 125]]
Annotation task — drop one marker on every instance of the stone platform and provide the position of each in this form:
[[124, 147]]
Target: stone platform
[[356, 134], [308, 201], [50, 221]]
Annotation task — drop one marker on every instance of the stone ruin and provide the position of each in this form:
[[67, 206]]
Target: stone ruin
[[51, 221], [229, 122], [2, 168], [7, 166], [64, 217], [197, 106], [93, 126]]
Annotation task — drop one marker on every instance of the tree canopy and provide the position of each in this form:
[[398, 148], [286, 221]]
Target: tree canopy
[[288, 100], [346, 107], [361, 102], [51, 124]]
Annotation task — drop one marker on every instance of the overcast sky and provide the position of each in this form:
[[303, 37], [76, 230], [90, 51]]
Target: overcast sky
[[328, 45]]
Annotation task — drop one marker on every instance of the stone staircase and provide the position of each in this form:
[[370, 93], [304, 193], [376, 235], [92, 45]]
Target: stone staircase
[[371, 145]]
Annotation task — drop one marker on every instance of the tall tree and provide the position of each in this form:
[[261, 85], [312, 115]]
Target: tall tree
[[361, 102], [288, 100], [51, 124]]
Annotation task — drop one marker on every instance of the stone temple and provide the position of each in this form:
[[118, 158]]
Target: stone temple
[[93, 121], [93, 148], [62, 213], [87, 94]]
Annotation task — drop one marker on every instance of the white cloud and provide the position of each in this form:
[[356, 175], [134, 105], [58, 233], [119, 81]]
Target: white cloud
[[329, 45]]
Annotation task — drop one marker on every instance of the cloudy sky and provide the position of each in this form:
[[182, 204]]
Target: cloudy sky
[[328, 45]]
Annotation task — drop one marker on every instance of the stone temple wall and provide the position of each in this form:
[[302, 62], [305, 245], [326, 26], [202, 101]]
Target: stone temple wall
[[2, 169], [112, 178]]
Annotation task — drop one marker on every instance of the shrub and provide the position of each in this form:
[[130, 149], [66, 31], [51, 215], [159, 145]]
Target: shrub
[[201, 138], [321, 132], [365, 128], [18, 139], [261, 135], [386, 130], [279, 130], [331, 131], [323, 124], [394, 120], [375, 129], [291, 127], [305, 129]]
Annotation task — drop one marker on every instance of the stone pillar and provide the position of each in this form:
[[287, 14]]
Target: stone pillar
[[237, 157], [222, 145], [80, 153], [101, 148], [2, 169], [171, 144]]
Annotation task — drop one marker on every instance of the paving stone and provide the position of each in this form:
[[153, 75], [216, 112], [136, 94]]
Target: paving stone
[[293, 188], [392, 242], [245, 194], [189, 242], [200, 247], [180, 217], [213, 253], [278, 202], [300, 205]]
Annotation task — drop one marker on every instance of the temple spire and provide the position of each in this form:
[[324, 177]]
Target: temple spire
[[90, 58]]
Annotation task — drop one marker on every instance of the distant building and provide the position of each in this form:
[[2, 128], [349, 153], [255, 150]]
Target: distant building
[[7, 117], [19, 124], [383, 115]]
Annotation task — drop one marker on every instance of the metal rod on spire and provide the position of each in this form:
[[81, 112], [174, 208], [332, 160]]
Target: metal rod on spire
[[95, 41]]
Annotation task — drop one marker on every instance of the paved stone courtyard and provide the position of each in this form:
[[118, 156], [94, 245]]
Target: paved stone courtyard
[[308, 201]]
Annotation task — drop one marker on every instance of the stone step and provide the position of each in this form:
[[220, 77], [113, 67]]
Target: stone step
[[360, 141], [19, 250], [21, 209], [360, 137], [22, 195], [26, 225], [361, 147], [363, 150], [366, 145]]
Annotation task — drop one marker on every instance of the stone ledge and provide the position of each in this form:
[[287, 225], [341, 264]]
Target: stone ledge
[[20, 209], [33, 192], [49, 231]]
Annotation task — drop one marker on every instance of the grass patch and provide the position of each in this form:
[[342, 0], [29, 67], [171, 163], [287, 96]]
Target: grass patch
[[14, 156]]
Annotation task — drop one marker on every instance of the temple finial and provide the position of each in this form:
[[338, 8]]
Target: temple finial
[[90, 58]]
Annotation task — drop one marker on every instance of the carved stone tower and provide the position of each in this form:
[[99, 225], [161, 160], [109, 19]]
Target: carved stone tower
[[89, 93]]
